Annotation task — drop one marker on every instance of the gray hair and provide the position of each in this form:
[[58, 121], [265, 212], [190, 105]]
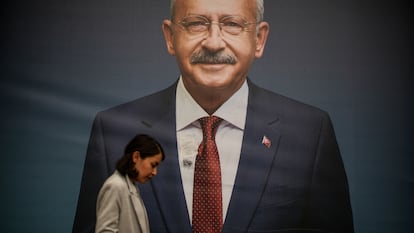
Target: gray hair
[[259, 16]]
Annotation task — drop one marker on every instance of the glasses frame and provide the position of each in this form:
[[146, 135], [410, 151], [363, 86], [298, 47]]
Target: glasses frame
[[244, 26]]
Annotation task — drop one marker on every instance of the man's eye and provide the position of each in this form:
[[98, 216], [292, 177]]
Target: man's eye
[[196, 24], [232, 24]]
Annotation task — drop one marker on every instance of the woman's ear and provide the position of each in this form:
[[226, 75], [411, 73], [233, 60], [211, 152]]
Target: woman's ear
[[261, 37], [168, 32], [136, 156]]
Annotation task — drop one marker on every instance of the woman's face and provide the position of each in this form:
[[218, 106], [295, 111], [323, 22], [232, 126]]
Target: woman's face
[[147, 167]]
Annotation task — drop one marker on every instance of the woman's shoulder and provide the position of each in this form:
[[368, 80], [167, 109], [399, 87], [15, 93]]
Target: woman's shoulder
[[115, 182], [114, 190]]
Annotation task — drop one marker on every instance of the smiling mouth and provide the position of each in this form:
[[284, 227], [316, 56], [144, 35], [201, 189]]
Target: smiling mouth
[[212, 67], [212, 64]]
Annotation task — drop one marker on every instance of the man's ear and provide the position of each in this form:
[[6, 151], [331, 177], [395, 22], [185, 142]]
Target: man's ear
[[261, 38], [167, 30]]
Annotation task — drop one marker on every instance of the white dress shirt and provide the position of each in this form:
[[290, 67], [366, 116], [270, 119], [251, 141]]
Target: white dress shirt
[[229, 138]]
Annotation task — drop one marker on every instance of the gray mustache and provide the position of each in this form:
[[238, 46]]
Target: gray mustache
[[207, 57]]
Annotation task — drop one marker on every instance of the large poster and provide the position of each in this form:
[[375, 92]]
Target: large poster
[[64, 61]]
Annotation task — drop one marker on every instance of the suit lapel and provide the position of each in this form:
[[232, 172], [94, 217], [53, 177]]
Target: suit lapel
[[256, 161]]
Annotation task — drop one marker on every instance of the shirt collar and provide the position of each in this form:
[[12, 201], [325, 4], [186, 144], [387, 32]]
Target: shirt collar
[[233, 111]]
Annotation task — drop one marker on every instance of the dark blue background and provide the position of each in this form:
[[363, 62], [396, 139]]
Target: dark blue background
[[62, 61]]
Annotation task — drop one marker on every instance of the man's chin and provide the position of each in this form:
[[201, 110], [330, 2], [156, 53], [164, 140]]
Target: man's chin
[[216, 82]]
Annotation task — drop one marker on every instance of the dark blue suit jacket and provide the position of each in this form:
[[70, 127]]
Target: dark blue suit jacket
[[298, 184]]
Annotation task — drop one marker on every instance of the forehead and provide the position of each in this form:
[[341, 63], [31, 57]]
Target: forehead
[[213, 8]]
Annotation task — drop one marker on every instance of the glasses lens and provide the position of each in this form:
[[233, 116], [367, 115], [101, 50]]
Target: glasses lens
[[233, 25], [195, 24]]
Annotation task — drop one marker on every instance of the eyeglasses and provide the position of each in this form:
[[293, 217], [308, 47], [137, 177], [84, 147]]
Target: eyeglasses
[[197, 24]]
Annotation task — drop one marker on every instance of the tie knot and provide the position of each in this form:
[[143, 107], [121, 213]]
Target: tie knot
[[209, 126]]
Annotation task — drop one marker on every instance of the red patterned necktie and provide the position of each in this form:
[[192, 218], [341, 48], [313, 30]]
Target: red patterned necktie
[[207, 199]]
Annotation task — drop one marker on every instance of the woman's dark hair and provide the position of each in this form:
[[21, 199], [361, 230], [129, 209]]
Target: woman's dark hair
[[146, 146]]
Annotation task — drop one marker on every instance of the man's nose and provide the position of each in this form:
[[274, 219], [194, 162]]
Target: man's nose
[[214, 39]]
